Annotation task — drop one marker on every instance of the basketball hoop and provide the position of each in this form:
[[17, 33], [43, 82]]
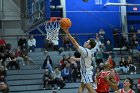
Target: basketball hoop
[[52, 29]]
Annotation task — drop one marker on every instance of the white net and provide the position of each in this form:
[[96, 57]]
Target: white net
[[52, 30]]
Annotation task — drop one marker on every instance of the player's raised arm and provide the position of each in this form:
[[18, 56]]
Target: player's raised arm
[[65, 24], [74, 42]]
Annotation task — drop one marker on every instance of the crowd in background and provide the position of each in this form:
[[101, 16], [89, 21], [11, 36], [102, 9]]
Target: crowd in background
[[68, 71], [104, 51]]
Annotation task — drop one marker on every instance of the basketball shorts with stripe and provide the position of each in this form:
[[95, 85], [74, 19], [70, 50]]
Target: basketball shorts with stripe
[[87, 77]]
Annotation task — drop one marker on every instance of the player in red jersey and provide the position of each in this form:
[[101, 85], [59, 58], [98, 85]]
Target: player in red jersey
[[105, 79], [128, 83]]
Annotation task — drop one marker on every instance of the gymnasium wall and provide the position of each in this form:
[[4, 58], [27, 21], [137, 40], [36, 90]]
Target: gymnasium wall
[[133, 14], [87, 17], [90, 17]]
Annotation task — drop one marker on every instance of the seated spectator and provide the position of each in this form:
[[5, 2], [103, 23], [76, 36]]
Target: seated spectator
[[63, 62], [3, 84], [8, 48], [48, 45], [3, 58], [128, 84], [134, 41], [2, 42], [31, 43], [108, 49], [13, 62], [22, 43], [19, 58], [26, 58], [66, 43], [58, 80], [55, 45], [47, 79], [47, 61], [124, 42], [116, 33], [132, 67], [74, 71], [3, 71], [66, 72], [123, 65], [98, 57]]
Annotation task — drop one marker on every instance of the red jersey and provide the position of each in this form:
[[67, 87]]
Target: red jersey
[[2, 42], [102, 85], [130, 91]]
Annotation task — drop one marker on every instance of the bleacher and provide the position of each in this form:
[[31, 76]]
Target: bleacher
[[29, 78]]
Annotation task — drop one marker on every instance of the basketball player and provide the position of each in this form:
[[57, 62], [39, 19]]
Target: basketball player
[[85, 62], [105, 78], [128, 83]]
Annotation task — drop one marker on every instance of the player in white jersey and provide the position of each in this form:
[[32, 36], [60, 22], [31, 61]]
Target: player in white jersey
[[85, 62]]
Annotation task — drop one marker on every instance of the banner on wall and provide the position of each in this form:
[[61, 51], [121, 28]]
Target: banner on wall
[[98, 2]]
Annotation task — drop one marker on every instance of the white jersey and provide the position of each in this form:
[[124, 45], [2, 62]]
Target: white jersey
[[97, 47], [85, 62]]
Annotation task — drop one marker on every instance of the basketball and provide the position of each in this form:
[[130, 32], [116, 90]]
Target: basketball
[[65, 23]]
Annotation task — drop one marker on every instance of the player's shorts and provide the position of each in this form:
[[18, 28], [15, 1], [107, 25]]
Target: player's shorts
[[87, 77]]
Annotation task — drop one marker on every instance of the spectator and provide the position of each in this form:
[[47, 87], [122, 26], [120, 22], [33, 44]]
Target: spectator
[[3, 71], [63, 62], [13, 62], [123, 65], [66, 43], [31, 43], [8, 48], [124, 41], [48, 45], [58, 80], [22, 43], [2, 42], [3, 58], [26, 58], [116, 37], [66, 72], [47, 79], [132, 67], [55, 45], [19, 58], [108, 49], [128, 84], [102, 35], [47, 61], [99, 57], [74, 71], [77, 55], [3, 84], [134, 41]]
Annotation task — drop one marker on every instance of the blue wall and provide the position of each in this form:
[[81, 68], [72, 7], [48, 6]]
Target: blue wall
[[132, 15], [90, 18]]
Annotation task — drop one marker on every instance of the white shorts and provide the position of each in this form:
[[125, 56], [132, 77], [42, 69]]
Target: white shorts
[[87, 77]]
